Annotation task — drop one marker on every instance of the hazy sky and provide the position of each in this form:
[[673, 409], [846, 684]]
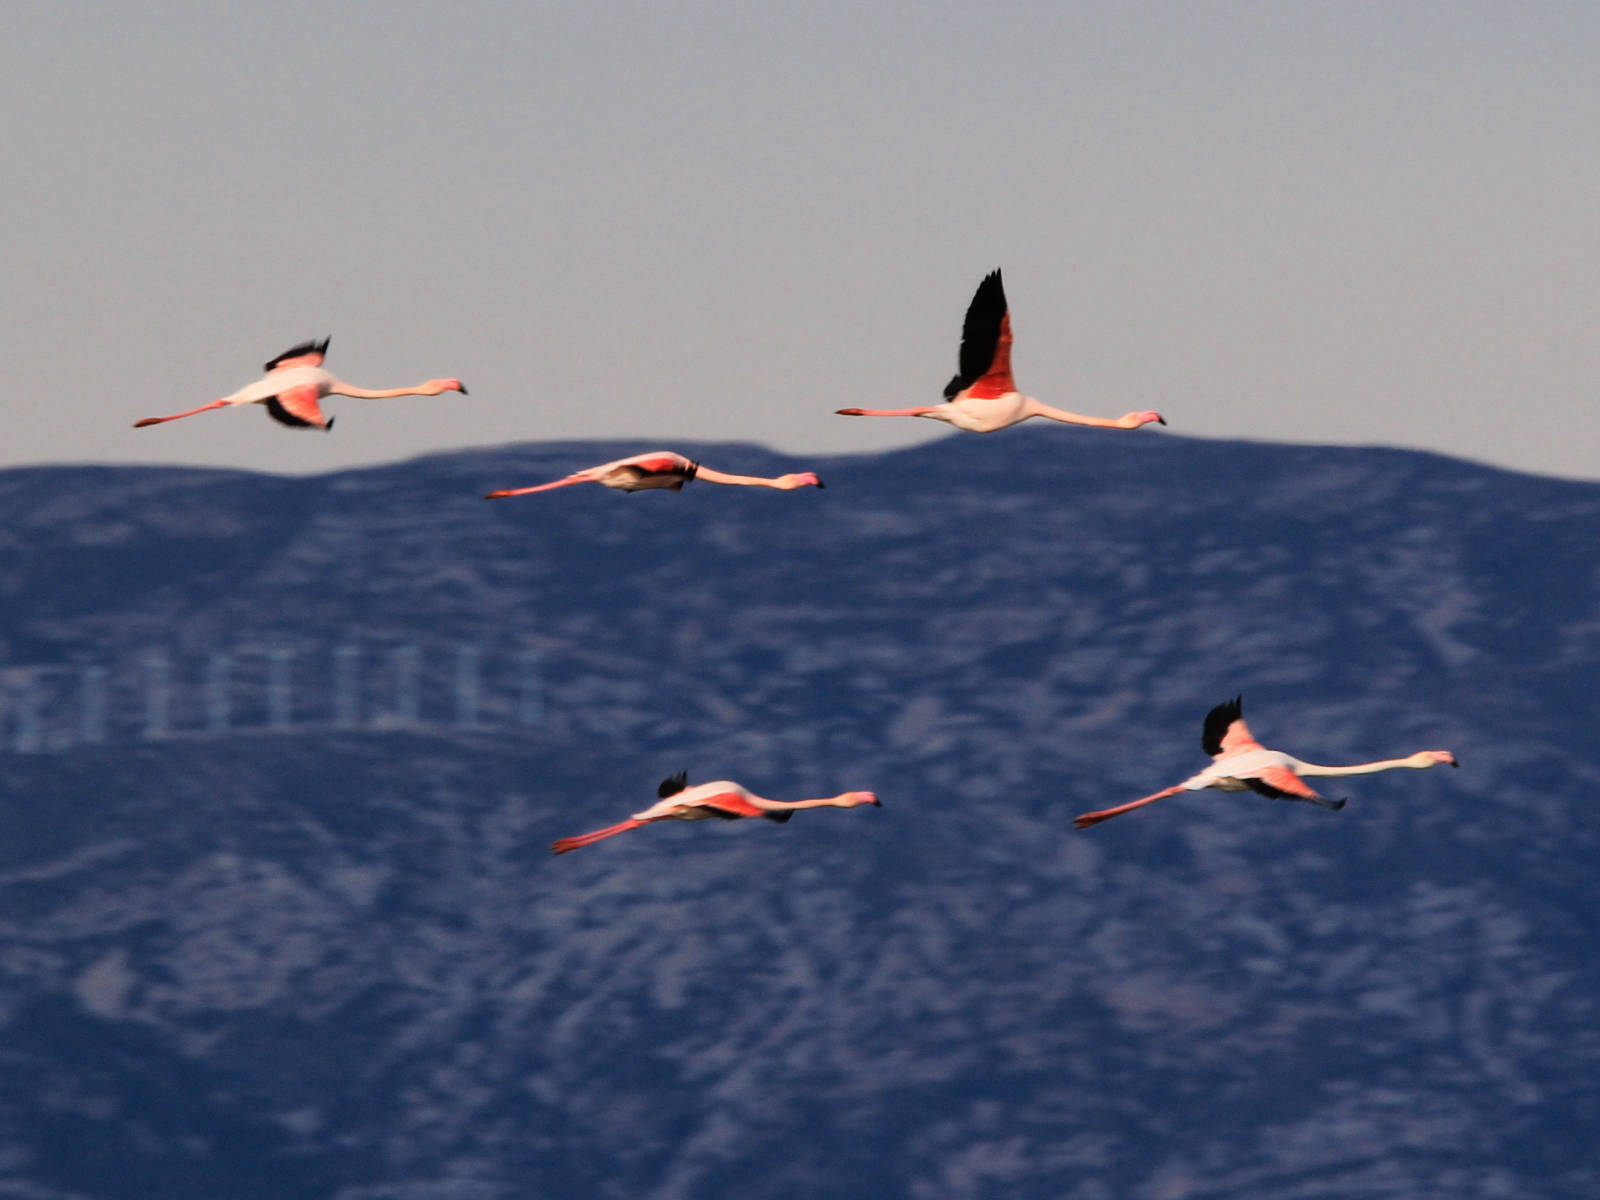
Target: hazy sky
[[1368, 223]]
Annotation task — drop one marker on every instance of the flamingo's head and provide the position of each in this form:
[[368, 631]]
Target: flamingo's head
[[434, 386], [856, 799], [1430, 758], [1134, 420], [804, 479]]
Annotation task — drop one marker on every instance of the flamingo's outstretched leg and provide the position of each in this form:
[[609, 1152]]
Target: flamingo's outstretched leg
[[543, 487], [1105, 814], [583, 839], [176, 416], [883, 412]]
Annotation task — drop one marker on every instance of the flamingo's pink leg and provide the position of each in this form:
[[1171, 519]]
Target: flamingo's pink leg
[[176, 416], [543, 487], [883, 412], [583, 839], [1105, 814]]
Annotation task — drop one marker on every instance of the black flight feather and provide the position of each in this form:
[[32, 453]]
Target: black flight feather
[[1266, 789], [980, 334], [1261, 788], [673, 784], [1217, 722], [311, 347], [283, 416], [779, 817]]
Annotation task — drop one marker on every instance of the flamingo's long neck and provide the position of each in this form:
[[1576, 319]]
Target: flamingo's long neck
[[340, 388], [710, 476], [1035, 408], [1387, 764], [839, 801]]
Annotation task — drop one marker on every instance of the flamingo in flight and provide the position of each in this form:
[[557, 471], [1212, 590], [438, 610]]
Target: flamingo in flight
[[1241, 763], [660, 469], [724, 798], [982, 397], [295, 382]]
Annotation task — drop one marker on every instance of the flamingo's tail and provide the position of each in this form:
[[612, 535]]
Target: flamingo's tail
[[583, 839]]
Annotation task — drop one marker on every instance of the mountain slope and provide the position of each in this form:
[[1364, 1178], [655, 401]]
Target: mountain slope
[[336, 959]]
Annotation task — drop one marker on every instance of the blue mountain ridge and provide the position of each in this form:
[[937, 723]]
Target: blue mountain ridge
[[337, 960]]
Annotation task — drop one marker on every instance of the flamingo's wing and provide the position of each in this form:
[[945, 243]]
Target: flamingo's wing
[[1281, 784], [653, 466], [306, 354], [730, 804], [673, 784], [297, 406], [658, 464], [1225, 731], [985, 344]]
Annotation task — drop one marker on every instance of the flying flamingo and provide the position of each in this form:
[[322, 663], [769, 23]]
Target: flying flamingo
[[660, 469], [295, 382], [982, 397], [1241, 763], [723, 798]]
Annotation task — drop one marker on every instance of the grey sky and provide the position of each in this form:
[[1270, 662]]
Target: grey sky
[[1370, 223]]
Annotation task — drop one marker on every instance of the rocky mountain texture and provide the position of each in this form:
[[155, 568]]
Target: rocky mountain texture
[[340, 962]]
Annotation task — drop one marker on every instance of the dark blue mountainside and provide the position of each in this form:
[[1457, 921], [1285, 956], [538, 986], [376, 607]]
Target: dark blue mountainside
[[288, 926]]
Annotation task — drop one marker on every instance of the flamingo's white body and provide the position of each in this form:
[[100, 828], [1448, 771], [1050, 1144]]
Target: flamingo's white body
[[982, 397], [986, 414], [1240, 763], [294, 386], [660, 469], [723, 798]]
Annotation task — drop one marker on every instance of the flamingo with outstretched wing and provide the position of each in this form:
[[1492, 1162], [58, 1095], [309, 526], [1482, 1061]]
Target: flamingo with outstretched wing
[[1240, 763], [294, 385], [982, 396], [724, 798]]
